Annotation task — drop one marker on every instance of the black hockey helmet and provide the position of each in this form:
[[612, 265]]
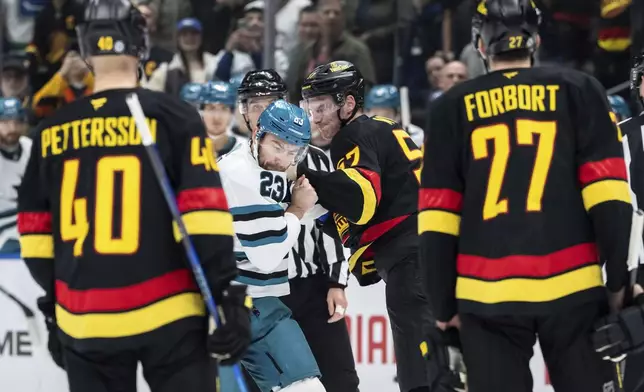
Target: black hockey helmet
[[506, 25], [112, 27], [637, 72], [261, 83], [338, 79]]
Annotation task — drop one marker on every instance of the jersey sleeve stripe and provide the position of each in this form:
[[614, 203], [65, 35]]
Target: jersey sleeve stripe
[[369, 195], [257, 211], [440, 199], [257, 279], [135, 322], [124, 298], [201, 199], [439, 221], [604, 191], [37, 246], [374, 232], [529, 290], [527, 266], [205, 223], [374, 179], [610, 168], [262, 238], [34, 222]]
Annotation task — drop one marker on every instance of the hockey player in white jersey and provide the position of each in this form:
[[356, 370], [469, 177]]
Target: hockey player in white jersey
[[254, 179], [383, 100], [217, 105], [15, 148]]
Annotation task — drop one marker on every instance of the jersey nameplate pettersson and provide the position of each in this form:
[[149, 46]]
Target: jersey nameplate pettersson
[[92, 132]]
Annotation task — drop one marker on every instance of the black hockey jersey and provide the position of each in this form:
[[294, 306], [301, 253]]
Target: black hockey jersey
[[524, 190], [96, 232], [634, 153], [374, 191]]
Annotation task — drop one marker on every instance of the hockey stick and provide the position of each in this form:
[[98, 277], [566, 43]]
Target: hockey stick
[[134, 105], [32, 325]]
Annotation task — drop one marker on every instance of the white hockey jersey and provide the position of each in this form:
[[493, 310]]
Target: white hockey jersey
[[264, 232], [12, 167]]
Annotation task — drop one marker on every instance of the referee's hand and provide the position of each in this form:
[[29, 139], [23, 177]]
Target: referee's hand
[[337, 303]]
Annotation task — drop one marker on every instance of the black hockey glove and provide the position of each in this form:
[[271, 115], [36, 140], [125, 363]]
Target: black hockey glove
[[229, 342], [621, 334], [47, 307], [443, 351]]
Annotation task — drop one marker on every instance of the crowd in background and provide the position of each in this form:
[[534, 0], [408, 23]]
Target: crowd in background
[[422, 44]]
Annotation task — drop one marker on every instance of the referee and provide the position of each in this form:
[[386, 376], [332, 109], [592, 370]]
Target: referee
[[634, 156]]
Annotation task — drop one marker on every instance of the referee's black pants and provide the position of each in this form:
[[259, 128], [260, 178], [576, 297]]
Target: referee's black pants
[[330, 343]]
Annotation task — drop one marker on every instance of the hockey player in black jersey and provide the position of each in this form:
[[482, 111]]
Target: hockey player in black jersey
[[623, 333], [523, 188], [98, 237], [373, 197]]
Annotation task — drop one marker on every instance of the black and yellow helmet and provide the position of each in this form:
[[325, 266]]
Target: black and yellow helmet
[[506, 25], [112, 27], [337, 79]]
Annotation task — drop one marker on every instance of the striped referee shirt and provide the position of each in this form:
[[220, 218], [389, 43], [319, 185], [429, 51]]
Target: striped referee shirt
[[315, 251]]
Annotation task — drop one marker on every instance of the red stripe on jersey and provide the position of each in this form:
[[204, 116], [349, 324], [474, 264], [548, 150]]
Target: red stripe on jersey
[[604, 169], [124, 298], [374, 179], [374, 232], [202, 198], [443, 199], [34, 222], [526, 265]]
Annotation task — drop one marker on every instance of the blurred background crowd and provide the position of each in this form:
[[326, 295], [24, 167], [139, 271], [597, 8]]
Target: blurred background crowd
[[422, 44]]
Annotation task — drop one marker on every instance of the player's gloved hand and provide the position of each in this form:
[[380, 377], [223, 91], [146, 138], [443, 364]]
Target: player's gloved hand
[[229, 342], [443, 350], [620, 334], [47, 307]]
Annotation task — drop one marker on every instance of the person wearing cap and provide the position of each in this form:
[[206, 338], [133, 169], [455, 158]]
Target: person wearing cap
[[14, 81], [15, 149], [247, 43], [189, 64]]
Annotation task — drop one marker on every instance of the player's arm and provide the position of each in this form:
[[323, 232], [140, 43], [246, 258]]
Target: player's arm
[[353, 190], [439, 206], [35, 224], [266, 232], [603, 178], [202, 203]]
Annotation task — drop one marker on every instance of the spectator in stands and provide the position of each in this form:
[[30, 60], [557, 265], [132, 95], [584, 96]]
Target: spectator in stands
[[157, 55], [376, 25], [308, 26], [15, 79], [15, 148], [219, 18], [169, 12], [287, 24], [335, 43], [612, 59], [19, 17], [72, 81], [245, 46], [473, 61], [54, 34], [433, 67], [190, 64], [451, 74]]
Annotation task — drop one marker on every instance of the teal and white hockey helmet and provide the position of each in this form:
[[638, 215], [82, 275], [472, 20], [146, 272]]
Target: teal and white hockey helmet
[[289, 123], [11, 109], [191, 93], [383, 96], [218, 92]]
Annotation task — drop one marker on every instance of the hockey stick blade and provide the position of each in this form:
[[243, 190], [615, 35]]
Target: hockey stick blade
[[132, 101], [32, 325]]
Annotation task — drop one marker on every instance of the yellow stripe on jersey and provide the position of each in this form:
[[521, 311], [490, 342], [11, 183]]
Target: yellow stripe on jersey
[[606, 190], [115, 325], [439, 221], [205, 223], [529, 290], [369, 197], [40, 246], [353, 259]]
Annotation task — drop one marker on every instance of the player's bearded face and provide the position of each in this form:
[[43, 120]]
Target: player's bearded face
[[217, 118], [10, 132], [276, 154], [323, 114]]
